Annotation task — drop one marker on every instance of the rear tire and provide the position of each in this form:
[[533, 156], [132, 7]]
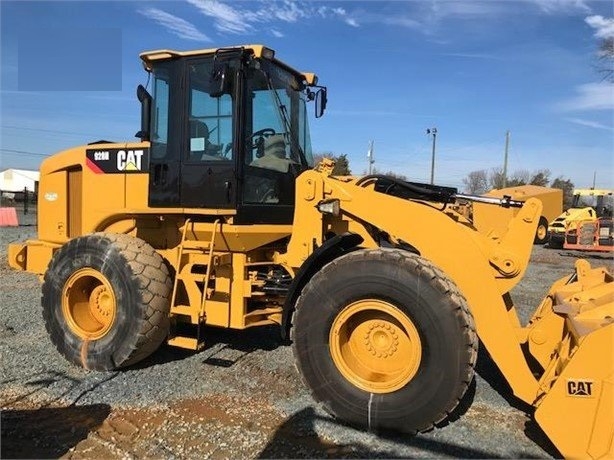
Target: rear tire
[[541, 234], [106, 300], [385, 341]]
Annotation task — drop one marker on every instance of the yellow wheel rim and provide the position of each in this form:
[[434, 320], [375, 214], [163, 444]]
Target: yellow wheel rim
[[375, 346], [88, 304], [542, 230]]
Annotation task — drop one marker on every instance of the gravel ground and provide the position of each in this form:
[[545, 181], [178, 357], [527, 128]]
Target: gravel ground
[[239, 398]]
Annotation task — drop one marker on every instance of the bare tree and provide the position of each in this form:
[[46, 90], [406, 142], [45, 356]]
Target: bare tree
[[496, 179], [388, 173], [540, 177], [482, 180], [519, 177], [567, 186], [476, 182]]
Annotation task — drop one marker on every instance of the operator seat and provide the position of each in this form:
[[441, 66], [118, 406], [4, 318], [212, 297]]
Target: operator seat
[[202, 150], [274, 156]]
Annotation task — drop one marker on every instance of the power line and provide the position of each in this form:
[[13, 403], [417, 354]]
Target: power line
[[23, 152], [72, 133]]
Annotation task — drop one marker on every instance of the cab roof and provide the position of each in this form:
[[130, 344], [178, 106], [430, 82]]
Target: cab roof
[[259, 51]]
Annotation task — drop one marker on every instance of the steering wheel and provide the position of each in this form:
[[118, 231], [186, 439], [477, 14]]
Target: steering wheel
[[256, 139]]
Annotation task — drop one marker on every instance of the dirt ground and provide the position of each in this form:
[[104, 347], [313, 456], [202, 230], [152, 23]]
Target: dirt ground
[[239, 398]]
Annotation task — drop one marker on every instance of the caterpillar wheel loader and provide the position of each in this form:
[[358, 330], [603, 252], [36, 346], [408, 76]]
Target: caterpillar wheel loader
[[491, 218], [218, 217]]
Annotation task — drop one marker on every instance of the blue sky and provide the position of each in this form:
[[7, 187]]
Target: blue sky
[[472, 69]]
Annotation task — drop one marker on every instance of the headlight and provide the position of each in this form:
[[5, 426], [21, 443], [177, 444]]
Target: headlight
[[329, 207]]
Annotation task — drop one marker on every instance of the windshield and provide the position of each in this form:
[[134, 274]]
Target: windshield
[[279, 111]]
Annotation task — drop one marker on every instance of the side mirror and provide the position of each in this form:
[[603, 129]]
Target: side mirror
[[220, 81], [145, 99], [321, 100]]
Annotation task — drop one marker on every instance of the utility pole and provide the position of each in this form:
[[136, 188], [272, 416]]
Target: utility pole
[[594, 179], [370, 157], [507, 146], [433, 131]]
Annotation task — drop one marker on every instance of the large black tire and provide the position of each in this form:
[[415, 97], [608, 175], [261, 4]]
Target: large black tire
[[385, 291], [556, 240], [541, 234], [106, 300]]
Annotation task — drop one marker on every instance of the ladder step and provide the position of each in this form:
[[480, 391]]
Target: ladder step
[[196, 244], [181, 309], [190, 343], [263, 311]]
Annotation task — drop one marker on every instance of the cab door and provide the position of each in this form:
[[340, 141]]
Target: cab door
[[208, 178], [165, 154]]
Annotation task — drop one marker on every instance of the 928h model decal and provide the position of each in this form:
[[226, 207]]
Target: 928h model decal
[[117, 161]]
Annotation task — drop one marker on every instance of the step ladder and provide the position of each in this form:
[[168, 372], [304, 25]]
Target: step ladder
[[183, 276]]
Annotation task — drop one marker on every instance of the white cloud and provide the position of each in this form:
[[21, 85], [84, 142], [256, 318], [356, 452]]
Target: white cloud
[[604, 26], [227, 18], [591, 96], [277, 33], [174, 24], [230, 18], [590, 124], [562, 6]]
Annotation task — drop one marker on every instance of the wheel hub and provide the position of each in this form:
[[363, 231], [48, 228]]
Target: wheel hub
[[101, 303], [381, 340], [88, 304], [375, 346]]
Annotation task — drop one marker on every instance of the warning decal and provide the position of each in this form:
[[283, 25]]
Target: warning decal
[[116, 161]]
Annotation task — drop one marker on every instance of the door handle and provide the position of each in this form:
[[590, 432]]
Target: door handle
[[156, 174], [228, 186]]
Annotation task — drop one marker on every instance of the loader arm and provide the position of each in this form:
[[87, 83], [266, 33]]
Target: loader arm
[[484, 269]]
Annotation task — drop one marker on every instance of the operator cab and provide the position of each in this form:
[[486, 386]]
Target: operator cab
[[228, 129]]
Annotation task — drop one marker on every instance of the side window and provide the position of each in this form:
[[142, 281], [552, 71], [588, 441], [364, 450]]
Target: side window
[[210, 118], [160, 116]]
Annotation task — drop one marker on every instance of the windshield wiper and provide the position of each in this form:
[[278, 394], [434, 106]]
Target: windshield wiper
[[283, 110]]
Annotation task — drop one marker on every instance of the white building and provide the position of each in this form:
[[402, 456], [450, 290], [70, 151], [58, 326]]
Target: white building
[[15, 180]]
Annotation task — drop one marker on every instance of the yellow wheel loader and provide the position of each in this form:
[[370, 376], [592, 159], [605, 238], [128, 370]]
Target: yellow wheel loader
[[217, 217], [490, 218]]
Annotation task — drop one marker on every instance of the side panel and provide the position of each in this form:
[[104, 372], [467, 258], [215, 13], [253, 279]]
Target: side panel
[[52, 207], [75, 210]]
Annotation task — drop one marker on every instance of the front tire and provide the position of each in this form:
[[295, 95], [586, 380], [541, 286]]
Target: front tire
[[105, 300], [385, 340], [541, 234], [556, 240]]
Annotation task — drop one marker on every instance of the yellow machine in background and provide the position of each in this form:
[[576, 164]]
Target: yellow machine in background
[[490, 218], [588, 206], [218, 218]]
